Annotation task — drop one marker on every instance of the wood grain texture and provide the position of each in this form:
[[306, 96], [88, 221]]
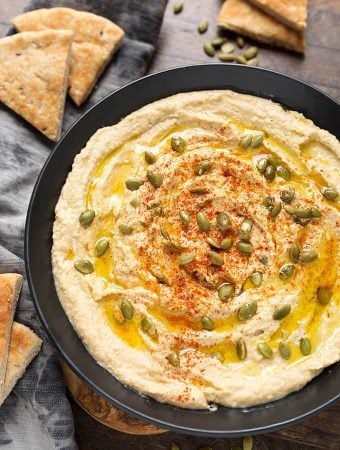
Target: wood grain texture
[[180, 44]]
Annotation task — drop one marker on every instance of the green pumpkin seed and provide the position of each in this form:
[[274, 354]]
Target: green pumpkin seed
[[225, 57], [125, 228], [247, 311], [152, 204], [148, 327], [329, 193], [253, 62], [298, 212], [305, 346], [218, 42], [251, 52], [222, 220], [213, 243], [155, 178], [203, 222], [247, 443], [185, 217], [225, 291], [101, 246], [287, 196], [245, 140], [264, 260], [294, 253], [203, 167], [265, 350], [283, 172], [86, 217], [172, 246], [186, 258], [241, 349], [240, 59], [245, 229], [268, 202], [173, 359], [135, 202], [244, 247], [226, 244], [228, 47], [269, 172], [84, 266], [315, 212], [282, 312], [286, 271], [216, 259], [208, 49], [276, 209], [240, 41], [164, 233], [262, 164], [207, 323], [150, 157], [285, 350], [178, 7], [198, 190], [324, 295], [133, 184], [256, 140], [203, 26], [127, 309], [307, 256], [178, 144], [256, 278]]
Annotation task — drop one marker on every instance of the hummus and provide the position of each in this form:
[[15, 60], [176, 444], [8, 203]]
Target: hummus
[[196, 249]]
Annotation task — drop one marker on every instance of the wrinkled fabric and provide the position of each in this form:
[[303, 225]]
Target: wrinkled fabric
[[37, 414]]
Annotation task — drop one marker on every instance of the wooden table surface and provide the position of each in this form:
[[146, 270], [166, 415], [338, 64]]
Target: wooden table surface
[[180, 44]]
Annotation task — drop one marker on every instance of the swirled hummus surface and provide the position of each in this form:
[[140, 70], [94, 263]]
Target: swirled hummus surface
[[196, 249]]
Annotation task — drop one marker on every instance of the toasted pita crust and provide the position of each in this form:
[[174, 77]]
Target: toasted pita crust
[[24, 346], [10, 286], [95, 41], [33, 77], [242, 17], [291, 13]]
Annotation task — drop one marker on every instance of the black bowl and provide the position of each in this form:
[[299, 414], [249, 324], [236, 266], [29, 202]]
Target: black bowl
[[320, 393]]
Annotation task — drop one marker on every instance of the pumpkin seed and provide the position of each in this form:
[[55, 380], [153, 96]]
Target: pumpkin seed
[[127, 309], [216, 258], [256, 278], [152, 204], [203, 222], [284, 350], [150, 157], [307, 256], [203, 167], [251, 52], [256, 140], [174, 359], [286, 271], [240, 41], [164, 233], [218, 42], [222, 220], [118, 315], [329, 193], [133, 184], [125, 228], [155, 178], [324, 295], [264, 260], [268, 201], [305, 346], [178, 7], [226, 244], [148, 327], [262, 164], [269, 173], [203, 26], [174, 446], [226, 57], [241, 349], [207, 323], [253, 62], [208, 49], [300, 221], [213, 243], [172, 246], [247, 311], [84, 266], [247, 443], [185, 218], [283, 172], [186, 258], [246, 140], [198, 190], [276, 209], [294, 253], [244, 247], [225, 291], [135, 202], [245, 229], [287, 195], [265, 350], [101, 246], [282, 312], [298, 212], [228, 47], [315, 212], [178, 144], [86, 217], [240, 59]]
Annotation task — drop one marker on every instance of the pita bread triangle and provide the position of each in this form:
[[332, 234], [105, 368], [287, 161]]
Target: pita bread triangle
[[33, 77]]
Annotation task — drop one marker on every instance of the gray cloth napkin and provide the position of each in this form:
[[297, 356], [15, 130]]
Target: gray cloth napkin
[[37, 414]]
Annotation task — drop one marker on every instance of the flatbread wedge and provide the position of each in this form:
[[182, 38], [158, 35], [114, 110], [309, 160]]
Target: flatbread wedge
[[33, 77], [245, 18], [292, 13], [10, 286], [25, 345], [95, 41]]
